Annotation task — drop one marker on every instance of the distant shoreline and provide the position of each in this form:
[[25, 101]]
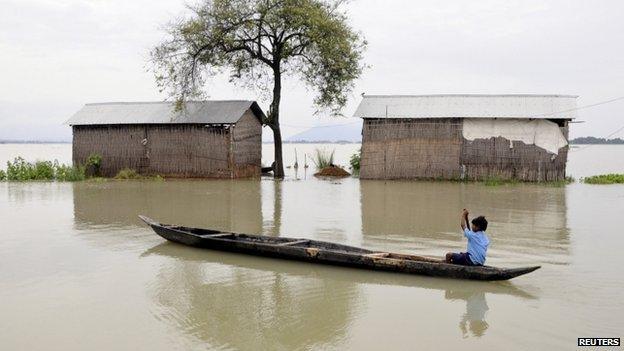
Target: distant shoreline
[[596, 141]]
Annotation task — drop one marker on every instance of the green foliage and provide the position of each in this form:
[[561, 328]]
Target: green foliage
[[131, 174], [65, 173], [323, 158], [611, 178], [94, 160], [21, 170], [127, 173], [355, 161], [92, 165], [258, 41], [496, 181], [2, 175]]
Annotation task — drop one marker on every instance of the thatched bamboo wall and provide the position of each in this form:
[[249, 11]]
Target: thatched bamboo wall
[[247, 146], [435, 148], [173, 150], [410, 148]]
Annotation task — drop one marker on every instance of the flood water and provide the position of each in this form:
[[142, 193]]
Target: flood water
[[79, 271]]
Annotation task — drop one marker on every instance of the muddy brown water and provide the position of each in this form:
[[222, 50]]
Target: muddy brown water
[[78, 270]]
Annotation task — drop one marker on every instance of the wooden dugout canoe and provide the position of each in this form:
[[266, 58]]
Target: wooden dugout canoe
[[328, 253]]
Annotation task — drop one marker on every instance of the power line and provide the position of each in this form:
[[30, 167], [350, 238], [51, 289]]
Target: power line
[[533, 116], [607, 137], [580, 108]]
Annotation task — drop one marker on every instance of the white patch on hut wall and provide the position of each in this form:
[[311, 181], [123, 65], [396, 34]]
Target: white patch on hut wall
[[542, 133]]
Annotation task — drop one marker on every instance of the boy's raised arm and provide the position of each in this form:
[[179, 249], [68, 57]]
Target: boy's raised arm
[[464, 222]]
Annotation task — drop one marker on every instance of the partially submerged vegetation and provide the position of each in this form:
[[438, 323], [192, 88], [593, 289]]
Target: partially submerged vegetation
[[612, 178], [94, 161], [21, 170], [324, 162], [323, 158], [355, 162], [127, 173], [131, 174], [495, 181]]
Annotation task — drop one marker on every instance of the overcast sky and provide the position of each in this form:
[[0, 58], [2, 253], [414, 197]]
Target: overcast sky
[[56, 55]]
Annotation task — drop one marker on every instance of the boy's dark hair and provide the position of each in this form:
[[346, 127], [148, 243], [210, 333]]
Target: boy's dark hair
[[480, 222]]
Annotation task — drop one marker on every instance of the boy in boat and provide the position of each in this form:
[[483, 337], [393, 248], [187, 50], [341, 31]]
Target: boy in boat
[[478, 242]]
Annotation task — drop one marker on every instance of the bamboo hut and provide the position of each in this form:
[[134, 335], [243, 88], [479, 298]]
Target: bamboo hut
[[214, 139], [474, 137]]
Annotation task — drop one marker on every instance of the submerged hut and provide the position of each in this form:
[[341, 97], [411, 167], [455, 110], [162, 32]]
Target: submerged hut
[[216, 139], [476, 137]]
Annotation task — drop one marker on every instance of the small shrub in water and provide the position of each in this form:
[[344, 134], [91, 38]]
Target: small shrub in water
[[65, 173], [92, 165], [128, 173], [323, 158], [44, 170], [2, 175], [20, 170], [94, 160], [355, 161]]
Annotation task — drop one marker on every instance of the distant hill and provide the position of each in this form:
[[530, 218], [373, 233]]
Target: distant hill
[[594, 140], [339, 133]]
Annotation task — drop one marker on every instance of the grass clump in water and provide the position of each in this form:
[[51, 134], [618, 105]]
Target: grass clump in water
[[611, 178], [131, 174], [496, 181], [127, 174], [65, 173], [323, 158], [93, 164], [21, 170]]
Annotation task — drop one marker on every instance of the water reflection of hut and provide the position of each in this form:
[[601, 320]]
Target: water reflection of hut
[[283, 304], [525, 219], [220, 204], [219, 139], [465, 136], [229, 301]]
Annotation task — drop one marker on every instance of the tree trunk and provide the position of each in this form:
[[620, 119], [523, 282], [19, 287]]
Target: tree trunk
[[278, 167]]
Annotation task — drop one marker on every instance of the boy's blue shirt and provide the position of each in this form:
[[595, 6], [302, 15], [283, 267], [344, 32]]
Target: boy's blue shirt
[[477, 245]]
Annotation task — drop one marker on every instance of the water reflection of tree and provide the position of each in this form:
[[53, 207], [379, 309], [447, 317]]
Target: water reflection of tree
[[274, 224], [242, 307]]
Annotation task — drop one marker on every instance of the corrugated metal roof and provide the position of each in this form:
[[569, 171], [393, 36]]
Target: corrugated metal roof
[[195, 112], [467, 106]]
